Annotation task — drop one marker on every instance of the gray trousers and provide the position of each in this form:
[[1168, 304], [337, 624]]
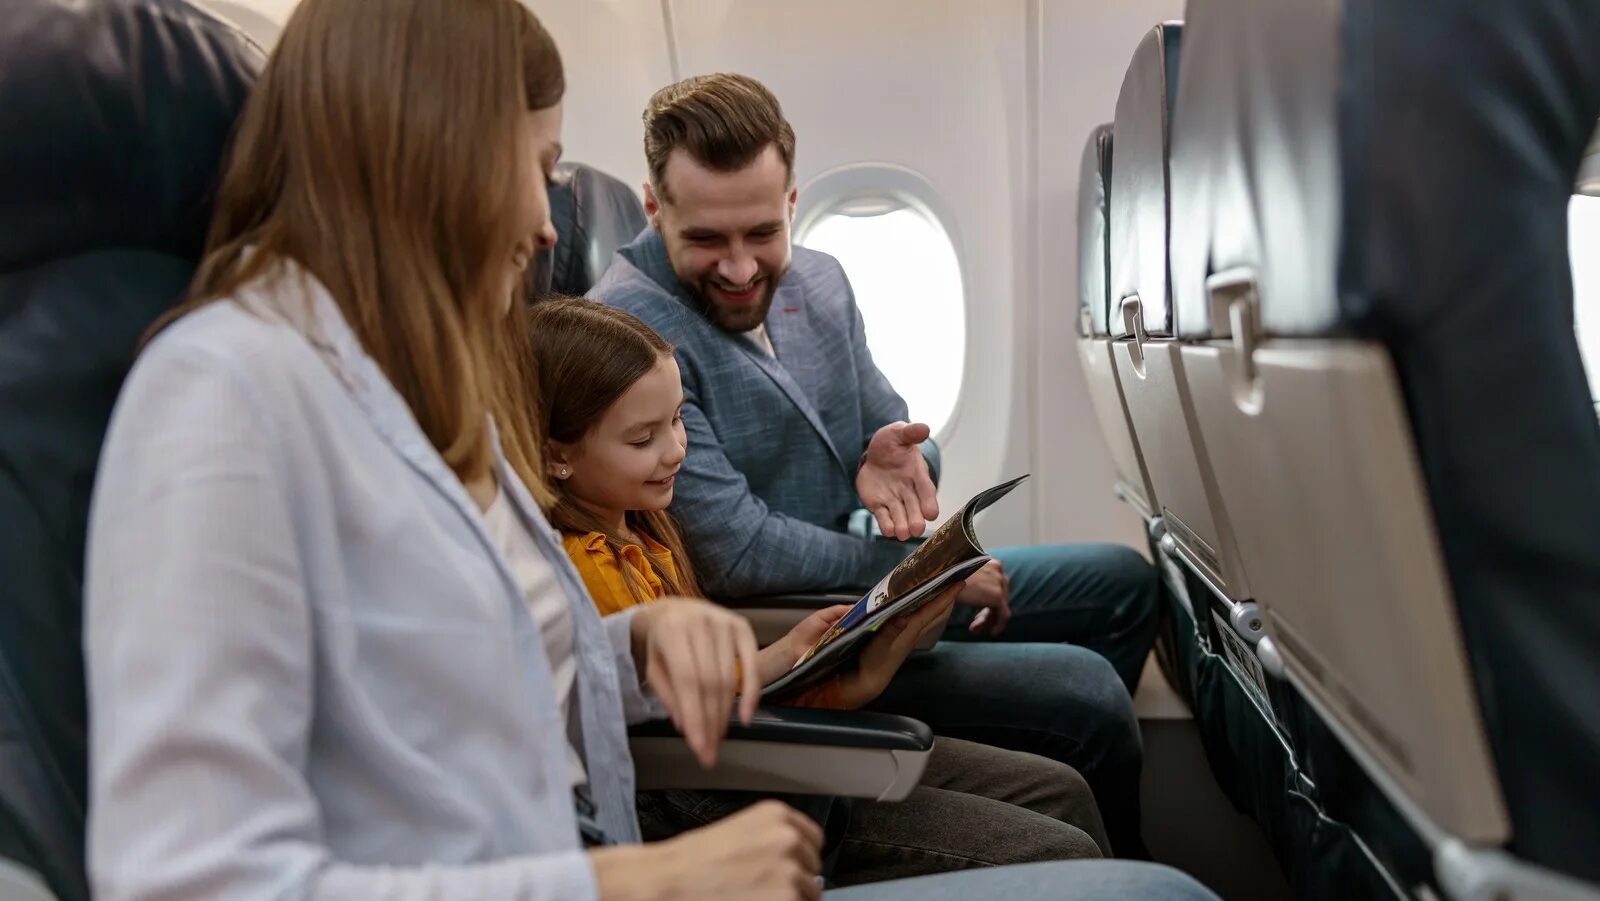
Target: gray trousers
[[977, 806]]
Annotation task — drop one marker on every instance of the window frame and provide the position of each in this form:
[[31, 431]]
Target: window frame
[[824, 194]]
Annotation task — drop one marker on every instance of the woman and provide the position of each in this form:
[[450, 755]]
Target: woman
[[312, 670]]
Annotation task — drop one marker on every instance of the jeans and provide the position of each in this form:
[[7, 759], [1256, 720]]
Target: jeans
[[1103, 597], [976, 806], [1054, 700], [1071, 880]]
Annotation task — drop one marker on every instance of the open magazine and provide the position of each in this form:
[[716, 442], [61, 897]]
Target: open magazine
[[951, 554]]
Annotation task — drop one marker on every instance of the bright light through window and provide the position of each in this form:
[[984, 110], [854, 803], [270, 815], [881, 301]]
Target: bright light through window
[[1583, 218], [908, 285]]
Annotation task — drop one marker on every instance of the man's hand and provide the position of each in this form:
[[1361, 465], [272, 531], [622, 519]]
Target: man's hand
[[990, 589], [893, 481]]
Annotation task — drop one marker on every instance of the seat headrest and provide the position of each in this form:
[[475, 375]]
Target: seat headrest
[[595, 214], [1254, 163], [116, 114], [1094, 190], [1139, 205]]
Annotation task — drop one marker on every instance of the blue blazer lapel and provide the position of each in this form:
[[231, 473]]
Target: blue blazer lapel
[[789, 378]]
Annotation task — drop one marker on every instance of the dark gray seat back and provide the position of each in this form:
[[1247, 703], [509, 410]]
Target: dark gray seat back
[[594, 215], [116, 113]]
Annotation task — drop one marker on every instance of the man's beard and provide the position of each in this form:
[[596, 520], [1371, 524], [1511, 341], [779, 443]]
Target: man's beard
[[730, 318]]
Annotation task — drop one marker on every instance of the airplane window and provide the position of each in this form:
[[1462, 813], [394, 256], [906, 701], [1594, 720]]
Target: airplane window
[[907, 282], [1583, 218]]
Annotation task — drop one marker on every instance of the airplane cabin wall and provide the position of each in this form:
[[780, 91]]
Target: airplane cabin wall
[[989, 103], [1086, 49]]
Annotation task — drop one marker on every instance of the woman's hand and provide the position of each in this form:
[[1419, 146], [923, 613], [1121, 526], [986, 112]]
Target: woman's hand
[[768, 850], [687, 650], [891, 646]]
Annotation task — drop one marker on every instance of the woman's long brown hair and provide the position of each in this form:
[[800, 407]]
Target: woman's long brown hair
[[381, 150], [589, 355]]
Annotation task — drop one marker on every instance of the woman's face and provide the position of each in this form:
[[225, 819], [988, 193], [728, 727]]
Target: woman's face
[[533, 230]]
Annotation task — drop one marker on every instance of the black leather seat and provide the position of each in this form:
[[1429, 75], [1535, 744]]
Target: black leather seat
[[116, 113], [594, 215]]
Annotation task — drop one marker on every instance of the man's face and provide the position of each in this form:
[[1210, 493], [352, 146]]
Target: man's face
[[727, 234]]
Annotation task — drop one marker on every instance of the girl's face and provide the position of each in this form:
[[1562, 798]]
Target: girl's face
[[532, 231], [629, 458]]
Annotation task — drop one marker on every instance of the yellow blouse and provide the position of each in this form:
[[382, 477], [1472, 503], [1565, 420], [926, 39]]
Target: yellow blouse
[[602, 573], [601, 570]]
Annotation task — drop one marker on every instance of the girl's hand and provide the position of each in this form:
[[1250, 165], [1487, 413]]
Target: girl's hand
[[891, 646], [781, 656], [688, 650]]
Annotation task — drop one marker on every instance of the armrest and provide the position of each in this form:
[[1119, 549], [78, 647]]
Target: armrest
[[772, 616], [848, 753], [796, 600]]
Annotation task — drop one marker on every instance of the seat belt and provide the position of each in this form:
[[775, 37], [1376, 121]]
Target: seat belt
[[589, 829]]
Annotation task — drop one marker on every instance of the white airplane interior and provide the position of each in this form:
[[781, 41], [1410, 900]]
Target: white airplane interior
[[1291, 298]]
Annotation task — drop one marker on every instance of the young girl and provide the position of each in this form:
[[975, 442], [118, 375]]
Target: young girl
[[611, 402]]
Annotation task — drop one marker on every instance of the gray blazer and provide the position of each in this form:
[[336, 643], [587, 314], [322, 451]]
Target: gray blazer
[[768, 486], [311, 672]]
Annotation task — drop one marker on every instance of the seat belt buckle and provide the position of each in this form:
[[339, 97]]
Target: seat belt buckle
[[589, 830]]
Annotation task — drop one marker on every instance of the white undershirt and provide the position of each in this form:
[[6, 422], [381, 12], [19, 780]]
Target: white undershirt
[[537, 581], [759, 333]]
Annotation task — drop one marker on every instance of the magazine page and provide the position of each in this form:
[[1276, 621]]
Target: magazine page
[[832, 654], [951, 545]]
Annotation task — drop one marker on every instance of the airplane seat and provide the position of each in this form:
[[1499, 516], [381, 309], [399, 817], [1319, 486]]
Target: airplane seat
[[1097, 357], [1209, 622], [594, 214], [1247, 722], [115, 116], [1370, 269], [1094, 341], [1193, 520]]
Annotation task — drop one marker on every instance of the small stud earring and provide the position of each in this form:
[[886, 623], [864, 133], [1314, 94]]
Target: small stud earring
[[564, 473]]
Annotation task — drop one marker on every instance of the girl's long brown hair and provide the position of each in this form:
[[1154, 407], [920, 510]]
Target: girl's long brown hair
[[589, 355], [381, 150]]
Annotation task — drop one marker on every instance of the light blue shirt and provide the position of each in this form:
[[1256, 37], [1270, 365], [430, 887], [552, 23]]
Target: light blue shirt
[[311, 674]]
